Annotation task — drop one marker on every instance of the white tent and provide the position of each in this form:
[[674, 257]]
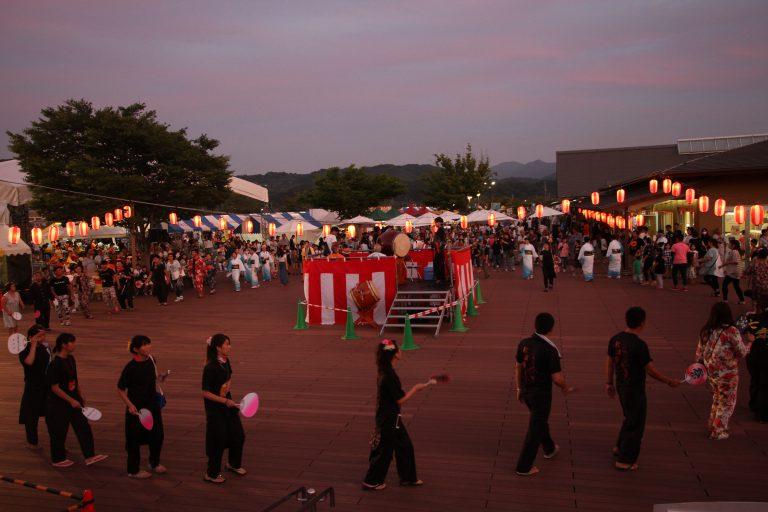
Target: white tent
[[358, 220], [289, 228], [482, 216], [449, 216], [425, 220], [548, 212], [9, 249], [324, 216], [13, 190], [248, 189], [400, 220]]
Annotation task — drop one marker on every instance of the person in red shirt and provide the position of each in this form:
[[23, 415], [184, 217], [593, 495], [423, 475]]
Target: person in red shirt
[[680, 252]]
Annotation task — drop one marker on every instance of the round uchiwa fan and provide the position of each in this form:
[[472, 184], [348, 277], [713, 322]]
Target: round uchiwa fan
[[696, 374], [16, 343], [146, 419], [91, 413], [249, 405], [441, 378]]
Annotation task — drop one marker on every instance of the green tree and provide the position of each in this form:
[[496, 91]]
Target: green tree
[[121, 152], [351, 191], [449, 186]]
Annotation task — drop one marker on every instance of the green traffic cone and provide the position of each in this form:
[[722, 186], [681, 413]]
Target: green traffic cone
[[350, 332], [479, 293], [471, 309], [408, 343], [458, 323], [301, 319]]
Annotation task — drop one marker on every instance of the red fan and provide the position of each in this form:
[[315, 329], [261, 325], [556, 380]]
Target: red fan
[[441, 378]]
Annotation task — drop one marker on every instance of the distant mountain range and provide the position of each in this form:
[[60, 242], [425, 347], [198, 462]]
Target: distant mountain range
[[513, 179]]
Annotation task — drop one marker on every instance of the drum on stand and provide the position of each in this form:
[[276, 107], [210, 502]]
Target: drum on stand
[[365, 297], [396, 244]]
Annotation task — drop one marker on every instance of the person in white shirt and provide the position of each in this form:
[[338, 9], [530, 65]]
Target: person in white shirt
[[377, 252], [235, 266], [614, 258], [528, 253], [587, 260], [252, 267], [266, 258]]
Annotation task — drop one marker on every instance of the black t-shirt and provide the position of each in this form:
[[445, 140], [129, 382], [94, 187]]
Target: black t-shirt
[[60, 285], [158, 273], [538, 360], [64, 373], [41, 292], [138, 380], [107, 277], [389, 392], [35, 376], [630, 356], [216, 379]]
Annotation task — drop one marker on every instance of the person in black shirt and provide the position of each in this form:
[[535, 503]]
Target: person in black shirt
[[137, 387], [755, 329], [35, 359], [438, 261], [160, 280], [223, 428], [108, 292], [548, 267], [390, 437], [626, 365], [40, 291], [125, 290], [60, 292], [538, 367], [65, 402]]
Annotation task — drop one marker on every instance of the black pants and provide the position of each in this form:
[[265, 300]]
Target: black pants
[[32, 407], [59, 417], [712, 281], [125, 298], [391, 440], [161, 292], [136, 435], [736, 286], [682, 269], [539, 403], [757, 365], [634, 407], [549, 280], [224, 432], [44, 318], [438, 265]]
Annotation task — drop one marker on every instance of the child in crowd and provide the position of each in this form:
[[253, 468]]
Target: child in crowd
[[637, 268]]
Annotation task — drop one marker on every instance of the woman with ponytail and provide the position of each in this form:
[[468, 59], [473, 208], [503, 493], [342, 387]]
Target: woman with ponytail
[[390, 437], [223, 429], [137, 387], [65, 404]]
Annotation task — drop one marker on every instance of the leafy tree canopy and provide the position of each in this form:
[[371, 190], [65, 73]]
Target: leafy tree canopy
[[124, 152], [351, 191], [448, 186]]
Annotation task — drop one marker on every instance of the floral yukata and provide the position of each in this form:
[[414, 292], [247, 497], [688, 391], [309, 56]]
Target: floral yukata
[[720, 352]]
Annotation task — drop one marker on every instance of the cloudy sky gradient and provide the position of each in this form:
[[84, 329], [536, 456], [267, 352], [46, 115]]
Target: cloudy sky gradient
[[306, 84]]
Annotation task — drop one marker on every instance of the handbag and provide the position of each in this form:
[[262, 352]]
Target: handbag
[[160, 400]]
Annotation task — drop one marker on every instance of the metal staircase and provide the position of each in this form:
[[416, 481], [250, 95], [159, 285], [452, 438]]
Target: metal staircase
[[410, 302]]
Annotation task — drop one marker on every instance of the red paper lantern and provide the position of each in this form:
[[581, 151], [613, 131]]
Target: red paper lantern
[[639, 220], [71, 229], [565, 206], [677, 189], [14, 234], [603, 217], [521, 212], [82, 228], [756, 215], [620, 195], [739, 214], [463, 222], [611, 220], [620, 222], [197, 221], [37, 236], [109, 219], [326, 230], [539, 210], [223, 224], [299, 229], [720, 207], [703, 204], [491, 219], [690, 195], [595, 198], [95, 223], [173, 218], [408, 226], [248, 226], [118, 214], [653, 186], [351, 231], [53, 233], [666, 185], [127, 211], [271, 229]]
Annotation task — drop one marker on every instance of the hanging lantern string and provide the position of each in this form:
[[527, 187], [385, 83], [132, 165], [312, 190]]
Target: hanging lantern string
[[113, 198]]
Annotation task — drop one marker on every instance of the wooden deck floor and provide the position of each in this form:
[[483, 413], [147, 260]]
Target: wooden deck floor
[[317, 397]]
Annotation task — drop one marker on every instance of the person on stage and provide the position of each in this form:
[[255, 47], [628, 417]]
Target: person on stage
[[528, 255], [538, 367], [65, 404], [35, 359], [613, 254], [137, 387], [587, 260], [438, 261], [390, 437], [626, 365], [223, 428]]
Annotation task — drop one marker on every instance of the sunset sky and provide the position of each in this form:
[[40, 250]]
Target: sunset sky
[[302, 85]]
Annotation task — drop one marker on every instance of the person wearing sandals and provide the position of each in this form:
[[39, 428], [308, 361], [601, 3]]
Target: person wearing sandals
[[626, 365], [390, 437], [65, 403], [223, 428], [538, 367], [35, 358], [719, 349], [137, 387]]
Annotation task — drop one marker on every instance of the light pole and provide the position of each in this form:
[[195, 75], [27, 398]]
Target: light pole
[[469, 202]]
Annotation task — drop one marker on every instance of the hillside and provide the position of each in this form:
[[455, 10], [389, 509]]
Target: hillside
[[536, 169]]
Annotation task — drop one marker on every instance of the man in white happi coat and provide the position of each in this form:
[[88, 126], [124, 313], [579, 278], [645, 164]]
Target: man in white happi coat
[[613, 253], [587, 259]]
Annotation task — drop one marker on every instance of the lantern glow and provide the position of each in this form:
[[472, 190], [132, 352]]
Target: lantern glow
[[223, 224], [299, 229], [197, 221], [690, 195], [14, 234], [595, 198], [739, 214], [603, 217], [118, 214], [82, 228], [53, 233], [539, 210], [621, 195], [248, 226], [173, 218], [491, 219], [611, 221], [653, 186], [95, 223], [408, 226], [37, 236], [666, 185], [109, 219], [271, 229], [463, 222], [639, 220], [521, 212], [326, 230], [565, 206], [71, 228], [677, 189], [128, 211], [720, 207], [703, 204], [351, 231], [757, 215]]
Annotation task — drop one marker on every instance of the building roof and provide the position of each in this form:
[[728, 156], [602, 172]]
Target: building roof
[[747, 158]]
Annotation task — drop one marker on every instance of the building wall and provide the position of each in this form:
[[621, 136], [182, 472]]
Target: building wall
[[581, 172]]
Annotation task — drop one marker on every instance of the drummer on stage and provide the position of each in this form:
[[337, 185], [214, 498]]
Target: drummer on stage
[[439, 255]]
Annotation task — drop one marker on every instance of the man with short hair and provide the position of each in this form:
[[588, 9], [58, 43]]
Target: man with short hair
[[538, 366], [626, 365], [61, 291]]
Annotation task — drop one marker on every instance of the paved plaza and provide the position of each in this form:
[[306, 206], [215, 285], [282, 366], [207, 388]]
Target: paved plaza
[[318, 392]]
